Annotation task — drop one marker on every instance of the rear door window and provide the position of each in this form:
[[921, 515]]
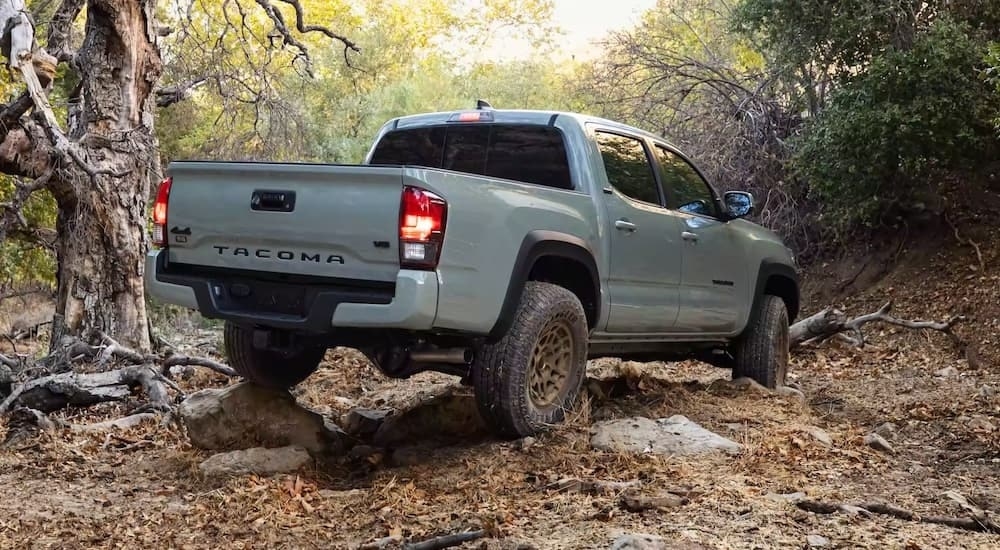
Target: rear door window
[[520, 152], [628, 167]]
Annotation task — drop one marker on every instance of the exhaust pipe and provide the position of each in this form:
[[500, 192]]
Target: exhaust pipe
[[449, 356]]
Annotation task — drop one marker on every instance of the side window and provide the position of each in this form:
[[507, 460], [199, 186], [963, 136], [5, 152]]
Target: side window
[[628, 167], [689, 191]]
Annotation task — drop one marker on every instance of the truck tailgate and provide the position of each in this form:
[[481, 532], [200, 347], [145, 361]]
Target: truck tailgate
[[318, 220]]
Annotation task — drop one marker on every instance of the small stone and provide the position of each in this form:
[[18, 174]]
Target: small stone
[[740, 384], [636, 502], [877, 442], [526, 443], [639, 542], [364, 422], [409, 456], [817, 541], [887, 430], [820, 435], [790, 498], [791, 393], [981, 424], [367, 452], [257, 460], [947, 372], [986, 392]]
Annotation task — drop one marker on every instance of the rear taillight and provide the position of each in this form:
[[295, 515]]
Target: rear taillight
[[422, 219], [160, 214]]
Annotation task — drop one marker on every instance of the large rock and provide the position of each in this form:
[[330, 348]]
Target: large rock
[[668, 436], [639, 542], [244, 416], [450, 415], [256, 461]]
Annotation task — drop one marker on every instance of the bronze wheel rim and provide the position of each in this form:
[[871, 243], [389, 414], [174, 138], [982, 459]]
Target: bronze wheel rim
[[551, 363]]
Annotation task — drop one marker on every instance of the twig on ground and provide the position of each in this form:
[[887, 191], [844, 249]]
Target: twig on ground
[[184, 360], [969, 242], [446, 541], [978, 521]]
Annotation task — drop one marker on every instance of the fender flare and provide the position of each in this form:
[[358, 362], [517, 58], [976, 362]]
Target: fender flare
[[536, 245], [767, 269]]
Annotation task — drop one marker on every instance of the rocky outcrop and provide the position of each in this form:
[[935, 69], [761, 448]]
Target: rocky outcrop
[[244, 416], [667, 436]]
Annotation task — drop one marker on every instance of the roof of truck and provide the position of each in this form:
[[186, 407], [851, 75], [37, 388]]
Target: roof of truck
[[524, 116]]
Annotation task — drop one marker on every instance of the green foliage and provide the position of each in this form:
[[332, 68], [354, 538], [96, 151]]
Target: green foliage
[[992, 73], [888, 128], [24, 261]]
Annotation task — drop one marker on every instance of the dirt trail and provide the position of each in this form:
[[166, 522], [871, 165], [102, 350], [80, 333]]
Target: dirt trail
[[143, 487]]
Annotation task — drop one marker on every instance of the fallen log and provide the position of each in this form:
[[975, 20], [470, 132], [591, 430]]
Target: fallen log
[[832, 322]]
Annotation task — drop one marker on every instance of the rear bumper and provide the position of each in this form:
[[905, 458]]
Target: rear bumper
[[312, 306]]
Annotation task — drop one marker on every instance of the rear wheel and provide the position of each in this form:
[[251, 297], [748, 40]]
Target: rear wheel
[[762, 351], [266, 367], [532, 376]]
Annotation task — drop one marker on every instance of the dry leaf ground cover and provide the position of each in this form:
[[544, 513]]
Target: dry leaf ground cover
[[142, 488]]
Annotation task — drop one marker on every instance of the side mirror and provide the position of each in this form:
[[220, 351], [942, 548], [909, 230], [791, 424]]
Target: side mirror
[[739, 204]]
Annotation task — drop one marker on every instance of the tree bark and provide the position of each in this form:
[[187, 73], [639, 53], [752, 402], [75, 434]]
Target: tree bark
[[102, 216]]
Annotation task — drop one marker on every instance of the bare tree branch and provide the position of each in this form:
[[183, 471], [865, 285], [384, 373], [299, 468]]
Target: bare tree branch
[[166, 97], [60, 28], [300, 25]]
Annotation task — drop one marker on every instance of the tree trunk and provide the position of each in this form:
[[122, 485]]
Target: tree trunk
[[102, 222]]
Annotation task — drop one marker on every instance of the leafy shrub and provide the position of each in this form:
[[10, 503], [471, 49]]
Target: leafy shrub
[[886, 129]]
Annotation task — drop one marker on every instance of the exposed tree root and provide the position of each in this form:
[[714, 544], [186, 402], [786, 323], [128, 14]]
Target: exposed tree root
[[62, 387], [978, 520], [832, 322]]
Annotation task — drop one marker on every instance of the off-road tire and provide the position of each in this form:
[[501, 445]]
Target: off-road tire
[[268, 368], [762, 351], [501, 372]]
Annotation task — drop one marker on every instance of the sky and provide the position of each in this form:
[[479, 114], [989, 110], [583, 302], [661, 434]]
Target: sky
[[582, 22], [588, 20]]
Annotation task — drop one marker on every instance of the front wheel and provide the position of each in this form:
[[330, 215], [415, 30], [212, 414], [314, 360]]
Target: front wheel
[[762, 351], [529, 379], [265, 367]]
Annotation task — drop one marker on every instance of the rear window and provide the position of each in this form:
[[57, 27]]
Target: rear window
[[526, 153]]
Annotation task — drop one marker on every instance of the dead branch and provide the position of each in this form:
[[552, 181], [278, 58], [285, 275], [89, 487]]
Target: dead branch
[[832, 322], [283, 31], [978, 519], [968, 242], [446, 541], [57, 391], [8, 362], [145, 372], [166, 97], [60, 28], [184, 361]]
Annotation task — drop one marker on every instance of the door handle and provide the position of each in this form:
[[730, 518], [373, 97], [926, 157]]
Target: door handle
[[625, 225], [689, 236]]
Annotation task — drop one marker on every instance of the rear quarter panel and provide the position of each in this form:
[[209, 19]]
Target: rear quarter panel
[[488, 219]]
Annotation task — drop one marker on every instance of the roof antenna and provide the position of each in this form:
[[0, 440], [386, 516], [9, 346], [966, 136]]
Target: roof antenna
[[483, 104]]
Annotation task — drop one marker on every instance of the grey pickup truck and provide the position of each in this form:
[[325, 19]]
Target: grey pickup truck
[[502, 246]]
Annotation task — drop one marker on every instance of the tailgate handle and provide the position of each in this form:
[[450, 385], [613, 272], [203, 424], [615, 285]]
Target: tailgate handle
[[268, 200]]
